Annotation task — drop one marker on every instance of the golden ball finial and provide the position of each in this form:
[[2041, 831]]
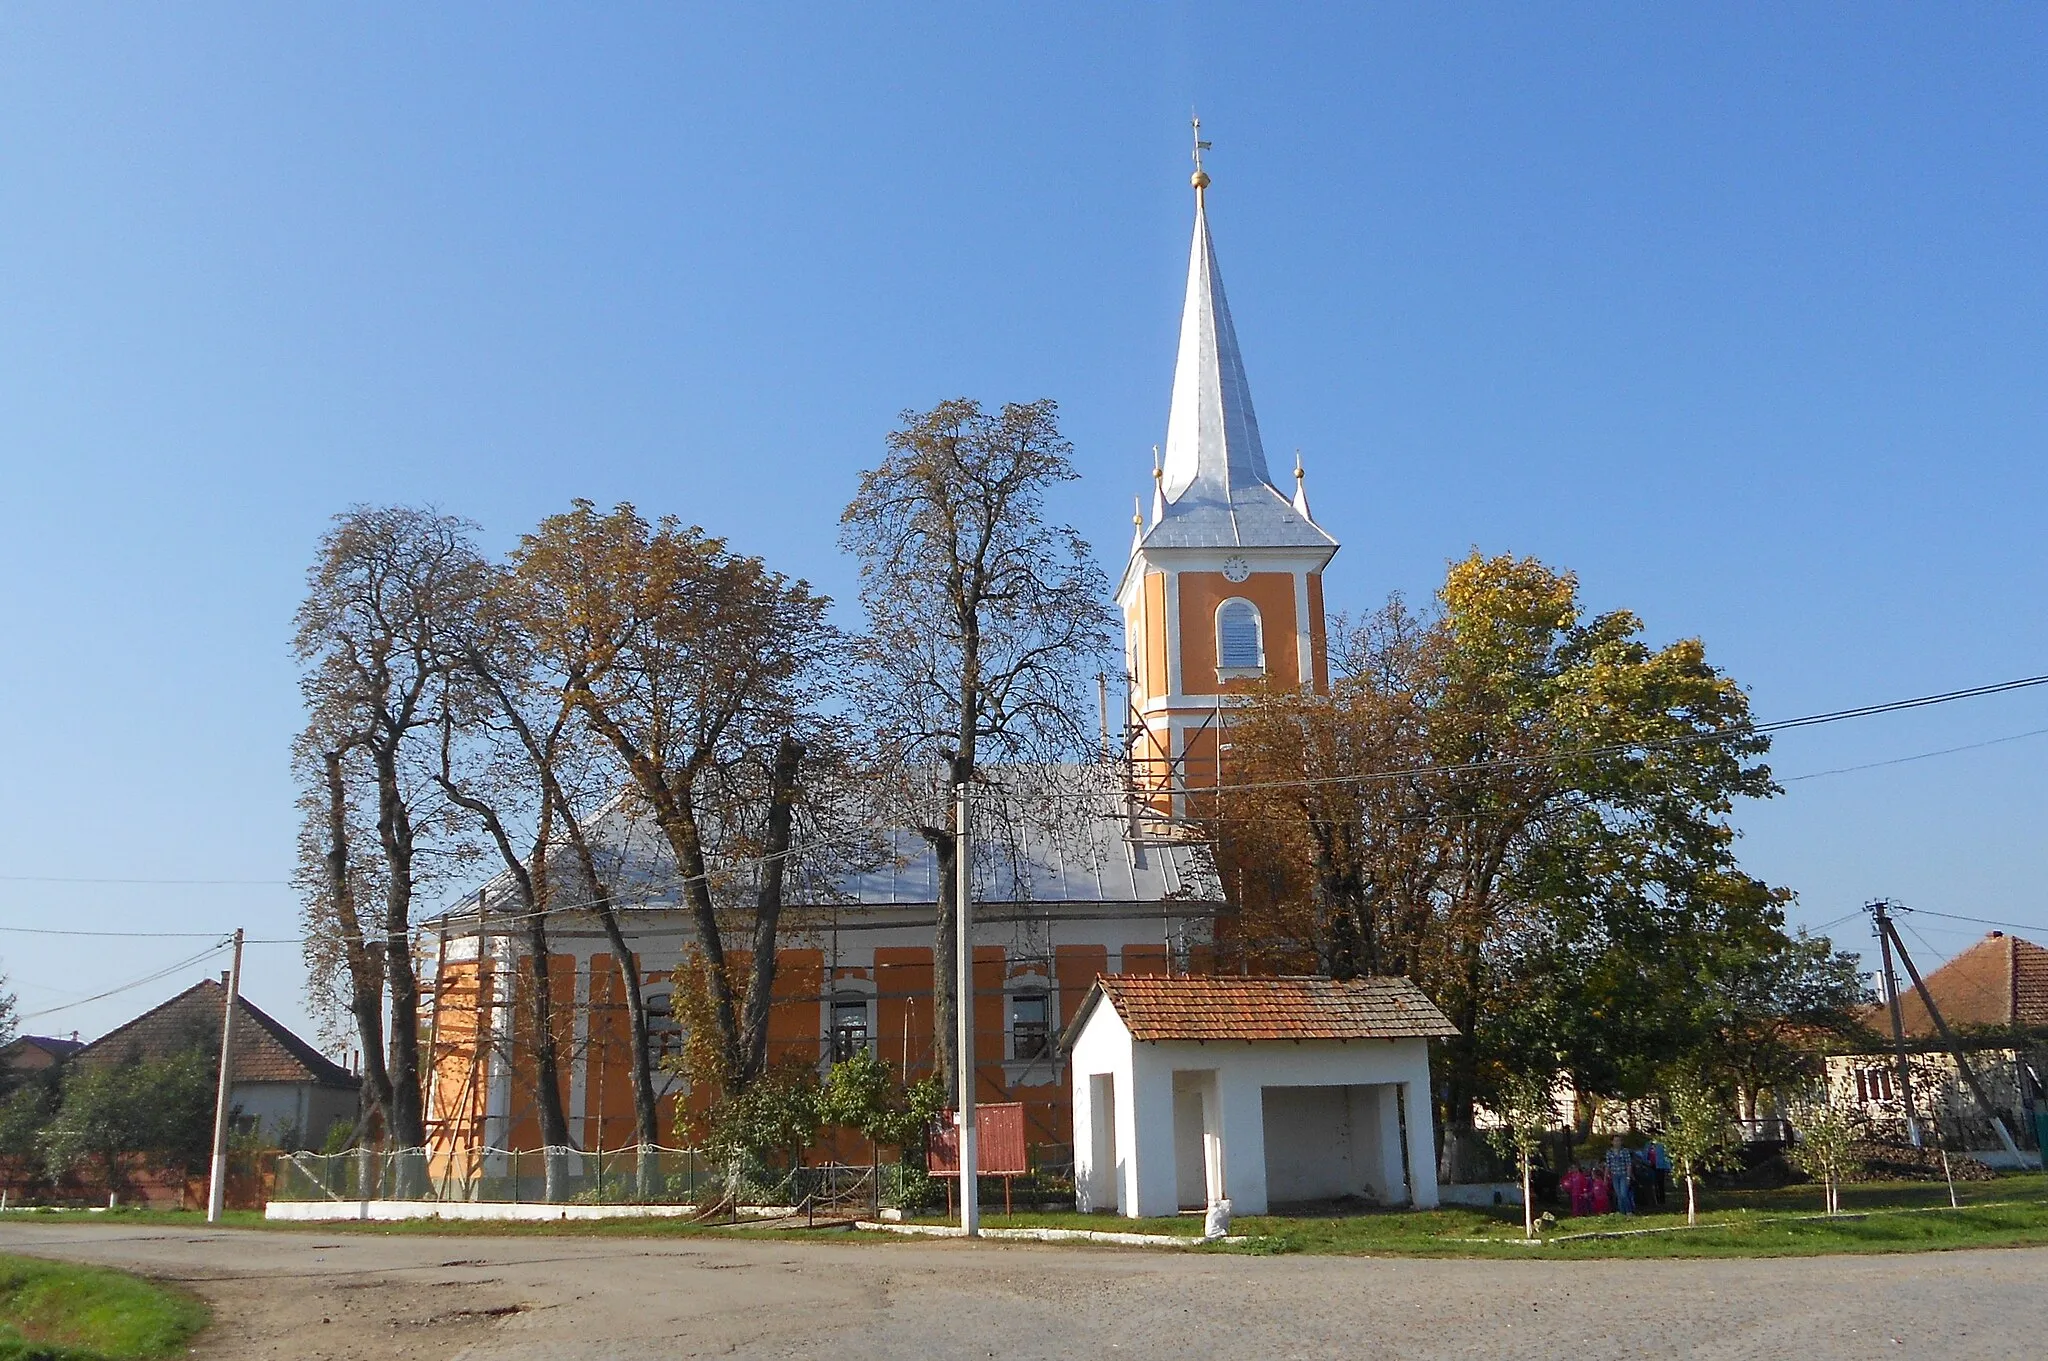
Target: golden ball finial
[[1201, 179]]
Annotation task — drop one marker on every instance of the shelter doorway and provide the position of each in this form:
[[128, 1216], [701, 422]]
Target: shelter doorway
[[1106, 1173], [1329, 1143], [1197, 1139]]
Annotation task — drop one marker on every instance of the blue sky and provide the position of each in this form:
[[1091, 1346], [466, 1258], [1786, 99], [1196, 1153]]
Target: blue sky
[[1739, 313]]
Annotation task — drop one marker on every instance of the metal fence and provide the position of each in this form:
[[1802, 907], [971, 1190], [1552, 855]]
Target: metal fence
[[636, 1175]]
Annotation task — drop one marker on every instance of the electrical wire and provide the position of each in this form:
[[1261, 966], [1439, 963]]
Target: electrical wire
[[186, 963], [154, 883], [1923, 756], [1734, 734]]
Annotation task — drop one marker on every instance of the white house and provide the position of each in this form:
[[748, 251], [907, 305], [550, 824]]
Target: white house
[[1192, 1089]]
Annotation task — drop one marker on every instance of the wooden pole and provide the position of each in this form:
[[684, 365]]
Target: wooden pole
[[217, 1184]]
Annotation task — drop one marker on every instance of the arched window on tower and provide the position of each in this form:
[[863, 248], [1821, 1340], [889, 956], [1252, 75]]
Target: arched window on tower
[[1240, 640]]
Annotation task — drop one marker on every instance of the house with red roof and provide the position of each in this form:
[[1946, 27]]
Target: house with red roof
[[282, 1087], [1994, 998]]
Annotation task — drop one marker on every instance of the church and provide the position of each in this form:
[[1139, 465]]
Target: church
[[1222, 593]]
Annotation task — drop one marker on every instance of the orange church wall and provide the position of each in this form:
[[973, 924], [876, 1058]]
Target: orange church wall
[[1075, 968], [1200, 594], [457, 1068], [1145, 959], [903, 1008], [1157, 676], [1318, 639], [604, 1116], [524, 1131]]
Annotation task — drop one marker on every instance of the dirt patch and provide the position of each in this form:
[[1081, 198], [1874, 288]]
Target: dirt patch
[[371, 1319]]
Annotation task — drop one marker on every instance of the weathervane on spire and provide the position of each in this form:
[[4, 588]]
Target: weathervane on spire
[[1201, 178]]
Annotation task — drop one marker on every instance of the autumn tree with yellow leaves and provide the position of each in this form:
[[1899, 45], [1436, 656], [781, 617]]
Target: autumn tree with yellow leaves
[[1524, 807]]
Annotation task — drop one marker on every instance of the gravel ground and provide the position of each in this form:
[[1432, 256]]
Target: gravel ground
[[300, 1296]]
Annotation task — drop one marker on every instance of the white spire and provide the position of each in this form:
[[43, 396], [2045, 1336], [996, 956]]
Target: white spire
[[1212, 436], [1213, 487], [1300, 490], [1158, 488]]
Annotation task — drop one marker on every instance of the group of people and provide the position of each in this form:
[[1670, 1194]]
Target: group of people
[[1620, 1182]]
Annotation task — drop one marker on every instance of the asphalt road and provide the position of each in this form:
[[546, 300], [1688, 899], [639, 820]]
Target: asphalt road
[[347, 1297]]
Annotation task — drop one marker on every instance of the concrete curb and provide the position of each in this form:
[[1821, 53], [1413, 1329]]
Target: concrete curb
[[1128, 1240]]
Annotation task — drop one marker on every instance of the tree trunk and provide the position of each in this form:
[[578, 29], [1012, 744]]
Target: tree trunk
[[394, 830], [362, 957], [1528, 1200], [945, 1001], [1692, 1204], [789, 755]]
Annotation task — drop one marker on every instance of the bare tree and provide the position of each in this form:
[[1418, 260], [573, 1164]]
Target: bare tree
[[981, 620], [506, 738], [375, 638], [695, 667]]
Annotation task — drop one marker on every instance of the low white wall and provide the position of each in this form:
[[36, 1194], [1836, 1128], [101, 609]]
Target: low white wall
[[317, 1210]]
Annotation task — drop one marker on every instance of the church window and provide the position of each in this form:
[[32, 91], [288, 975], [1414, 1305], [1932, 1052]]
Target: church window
[[849, 1025], [1030, 1036], [1240, 640], [664, 1028]]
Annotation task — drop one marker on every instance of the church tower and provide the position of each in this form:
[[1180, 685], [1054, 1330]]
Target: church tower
[[1223, 593]]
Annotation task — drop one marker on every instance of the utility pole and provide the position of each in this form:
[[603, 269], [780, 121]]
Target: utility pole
[[217, 1184], [1880, 909], [963, 993], [1955, 1048]]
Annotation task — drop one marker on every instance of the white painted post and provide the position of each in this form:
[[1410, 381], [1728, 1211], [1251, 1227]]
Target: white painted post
[[963, 866], [217, 1184]]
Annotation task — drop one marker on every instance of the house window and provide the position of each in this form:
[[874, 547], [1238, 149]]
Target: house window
[[1874, 1084], [1029, 1035], [1240, 638], [849, 1026]]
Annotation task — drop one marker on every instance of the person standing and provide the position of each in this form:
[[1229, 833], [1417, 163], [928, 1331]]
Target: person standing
[[1660, 1167], [1620, 1170]]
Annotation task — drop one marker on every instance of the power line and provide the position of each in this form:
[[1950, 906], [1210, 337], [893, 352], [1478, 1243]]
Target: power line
[[1735, 734], [167, 970], [114, 935], [153, 883], [1923, 756]]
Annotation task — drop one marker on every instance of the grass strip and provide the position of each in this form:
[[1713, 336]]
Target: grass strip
[[57, 1311]]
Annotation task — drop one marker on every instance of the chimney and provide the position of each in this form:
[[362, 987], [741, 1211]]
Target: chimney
[[223, 977]]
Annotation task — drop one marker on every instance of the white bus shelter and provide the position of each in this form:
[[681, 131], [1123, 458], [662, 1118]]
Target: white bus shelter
[[1262, 1091]]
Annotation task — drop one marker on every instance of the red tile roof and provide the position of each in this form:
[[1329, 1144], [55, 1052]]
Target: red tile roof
[[1211, 1007], [1998, 983], [264, 1050]]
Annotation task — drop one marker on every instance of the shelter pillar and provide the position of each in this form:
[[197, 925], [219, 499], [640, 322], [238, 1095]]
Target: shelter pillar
[[1243, 1123], [1151, 1185], [1421, 1142]]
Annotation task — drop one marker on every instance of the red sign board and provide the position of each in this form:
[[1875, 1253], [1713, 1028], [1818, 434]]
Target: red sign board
[[998, 1145]]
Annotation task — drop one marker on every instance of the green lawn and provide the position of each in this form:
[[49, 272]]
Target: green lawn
[[2009, 1211], [54, 1311]]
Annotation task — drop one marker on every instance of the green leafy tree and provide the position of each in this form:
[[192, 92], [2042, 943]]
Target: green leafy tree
[[157, 1110], [24, 1115], [758, 1135], [1526, 1106], [1697, 1133], [1521, 805], [1825, 1135]]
